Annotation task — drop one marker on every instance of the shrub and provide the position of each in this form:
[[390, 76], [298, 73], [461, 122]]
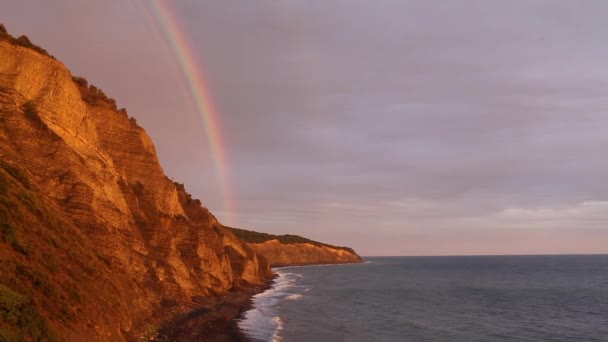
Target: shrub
[[29, 199], [4, 185], [11, 304], [93, 95], [138, 188], [104, 259], [67, 313], [41, 282], [15, 173], [34, 324], [4, 35], [80, 81], [75, 295], [30, 111], [22, 41], [19, 312], [26, 42], [9, 235]]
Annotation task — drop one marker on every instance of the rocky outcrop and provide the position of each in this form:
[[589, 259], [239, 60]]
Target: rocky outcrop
[[99, 241]]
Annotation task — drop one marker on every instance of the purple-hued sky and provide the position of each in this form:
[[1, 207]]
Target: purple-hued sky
[[395, 127]]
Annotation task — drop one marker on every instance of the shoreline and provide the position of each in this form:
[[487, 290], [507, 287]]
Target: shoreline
[[214, 322], [271, 323], [217, 321]]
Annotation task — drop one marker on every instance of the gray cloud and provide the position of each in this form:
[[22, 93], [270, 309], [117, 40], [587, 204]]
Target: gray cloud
[[397, 127]]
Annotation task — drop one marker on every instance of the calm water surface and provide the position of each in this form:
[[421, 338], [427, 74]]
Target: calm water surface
[[489, 298]]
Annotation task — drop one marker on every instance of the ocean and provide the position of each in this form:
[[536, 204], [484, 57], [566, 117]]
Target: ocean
[[465, 298]]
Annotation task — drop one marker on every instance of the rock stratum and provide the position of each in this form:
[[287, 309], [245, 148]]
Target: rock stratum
[[98, 244]]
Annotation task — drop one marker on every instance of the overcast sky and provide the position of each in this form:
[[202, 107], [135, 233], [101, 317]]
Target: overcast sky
[[395, 127]]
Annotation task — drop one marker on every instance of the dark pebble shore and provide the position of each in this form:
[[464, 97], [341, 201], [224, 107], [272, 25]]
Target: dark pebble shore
[[216, 322]]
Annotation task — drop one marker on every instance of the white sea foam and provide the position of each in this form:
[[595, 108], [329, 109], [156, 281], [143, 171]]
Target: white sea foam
[[262, 322], [279, 326], [295, 296]]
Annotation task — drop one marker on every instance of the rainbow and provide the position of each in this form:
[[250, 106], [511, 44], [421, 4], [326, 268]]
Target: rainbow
[[199, 90]]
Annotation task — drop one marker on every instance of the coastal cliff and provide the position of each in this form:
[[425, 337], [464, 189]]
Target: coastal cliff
[[289, 250], [98, 244]]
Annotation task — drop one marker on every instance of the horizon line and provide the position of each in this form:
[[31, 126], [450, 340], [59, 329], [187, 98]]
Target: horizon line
[[482, 255]]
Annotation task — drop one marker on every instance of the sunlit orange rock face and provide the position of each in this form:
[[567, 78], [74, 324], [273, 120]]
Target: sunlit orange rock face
[[99, 241], [279, 254]]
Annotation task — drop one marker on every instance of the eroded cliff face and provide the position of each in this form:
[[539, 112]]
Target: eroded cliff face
[[122, 247], [279, 254]]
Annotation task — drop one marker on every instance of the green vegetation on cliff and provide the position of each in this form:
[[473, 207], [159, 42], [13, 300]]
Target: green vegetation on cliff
[[21, 41], [286, 239], [20, 316]]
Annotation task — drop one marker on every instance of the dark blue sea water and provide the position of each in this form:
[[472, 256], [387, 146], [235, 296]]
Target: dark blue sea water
[[489, 298]]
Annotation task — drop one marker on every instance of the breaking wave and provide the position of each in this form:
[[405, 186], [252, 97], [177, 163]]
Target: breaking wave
[[295, 296], [262, 322]]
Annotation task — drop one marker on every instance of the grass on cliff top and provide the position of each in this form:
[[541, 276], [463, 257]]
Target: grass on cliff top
[[94, 96], [287, 239], [21, 41]]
